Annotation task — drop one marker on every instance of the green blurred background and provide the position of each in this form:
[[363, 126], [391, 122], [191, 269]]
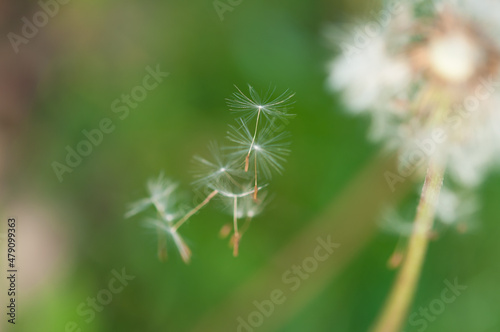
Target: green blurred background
[[72, 234]]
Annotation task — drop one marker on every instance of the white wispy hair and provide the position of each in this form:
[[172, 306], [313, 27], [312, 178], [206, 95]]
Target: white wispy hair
[[455, 206], [249, 207], [245, 192], [271, 105], [370, 78], [269, 146], [161, 196], [219, 172]]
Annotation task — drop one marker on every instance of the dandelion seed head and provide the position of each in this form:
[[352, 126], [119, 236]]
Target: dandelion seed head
[[217, 172], [161, 196], [270, 147], [226, 173], [269, 104], [423, 72], [454, 57]]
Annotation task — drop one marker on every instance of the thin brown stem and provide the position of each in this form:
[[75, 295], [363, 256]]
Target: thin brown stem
[[396, 308], [194, 210], [236, 233]]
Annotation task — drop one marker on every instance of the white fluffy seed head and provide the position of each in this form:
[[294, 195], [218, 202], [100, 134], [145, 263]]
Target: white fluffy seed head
[[411, 86], [454, 57]]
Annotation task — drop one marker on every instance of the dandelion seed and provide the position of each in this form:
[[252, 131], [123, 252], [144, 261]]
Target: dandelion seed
[[249, 208], [270, 107], [161, 197], [222, 174], [218, 175], [218, 172], [242, 205], [269, 150], [171, 232], [182, 247], [272, 147]]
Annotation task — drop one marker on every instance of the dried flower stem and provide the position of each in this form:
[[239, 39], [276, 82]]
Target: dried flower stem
[[400, 298], [193, 211]]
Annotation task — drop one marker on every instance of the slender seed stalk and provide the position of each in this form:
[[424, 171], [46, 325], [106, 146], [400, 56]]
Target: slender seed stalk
[[247, 159], [256, 189], [396, 308], [236, 233], [160, 209], [162, 241], [194, 210]]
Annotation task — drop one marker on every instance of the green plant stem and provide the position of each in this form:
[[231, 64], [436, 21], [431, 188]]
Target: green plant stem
[[396, 308]]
